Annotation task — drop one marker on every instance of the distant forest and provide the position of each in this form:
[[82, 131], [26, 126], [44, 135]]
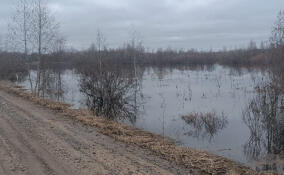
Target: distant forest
[[34, 42]]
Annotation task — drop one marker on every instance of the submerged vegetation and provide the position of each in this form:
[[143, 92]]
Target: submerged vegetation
[[264, 118], [205, 124]]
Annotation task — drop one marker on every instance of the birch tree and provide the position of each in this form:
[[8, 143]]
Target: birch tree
[[19, 31], [20, 27], [277, 38], [45, 32], [34, 29], [277, 48], [44, 27]]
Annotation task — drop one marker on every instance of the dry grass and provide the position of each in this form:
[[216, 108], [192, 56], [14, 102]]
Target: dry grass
[[159, 145]]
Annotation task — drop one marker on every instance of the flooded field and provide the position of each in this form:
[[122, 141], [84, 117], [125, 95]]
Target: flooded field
[[218, 109]]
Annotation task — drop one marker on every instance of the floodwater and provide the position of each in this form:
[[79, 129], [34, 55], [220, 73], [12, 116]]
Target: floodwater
[[167, 95]]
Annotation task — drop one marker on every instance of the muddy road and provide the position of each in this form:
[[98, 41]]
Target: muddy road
[[36, 141]]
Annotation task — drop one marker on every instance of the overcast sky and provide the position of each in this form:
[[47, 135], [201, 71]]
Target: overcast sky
[[201, 24]]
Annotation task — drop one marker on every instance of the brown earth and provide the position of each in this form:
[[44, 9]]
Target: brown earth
[[43, 137], [35, 141]]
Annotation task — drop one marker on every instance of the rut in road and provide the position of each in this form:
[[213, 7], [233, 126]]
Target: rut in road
[[35, 140]]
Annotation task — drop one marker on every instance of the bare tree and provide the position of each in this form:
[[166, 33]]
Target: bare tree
[[109, 93], [252, 45], [135, 48], [20, 27], [45, 28], [277, 38], [277, 47], [33, 28], [101, 44], [1, 43], [59, 45], [45, 32], [19, 35], [92, 49]]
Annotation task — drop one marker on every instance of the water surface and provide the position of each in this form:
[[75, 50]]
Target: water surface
[[168, 94]]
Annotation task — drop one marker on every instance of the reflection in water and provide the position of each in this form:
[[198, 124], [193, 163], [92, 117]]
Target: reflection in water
[[110, 93], [49, 84], [46, 83], [265, 121], [205, 124]]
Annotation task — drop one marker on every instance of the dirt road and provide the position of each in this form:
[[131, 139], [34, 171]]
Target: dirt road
[[36, 141]]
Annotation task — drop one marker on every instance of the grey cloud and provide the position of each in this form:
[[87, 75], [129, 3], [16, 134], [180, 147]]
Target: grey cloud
[[162, 23]]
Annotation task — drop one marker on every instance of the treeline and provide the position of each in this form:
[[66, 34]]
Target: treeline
[[17, 62], [130, 56], [12, 66]]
